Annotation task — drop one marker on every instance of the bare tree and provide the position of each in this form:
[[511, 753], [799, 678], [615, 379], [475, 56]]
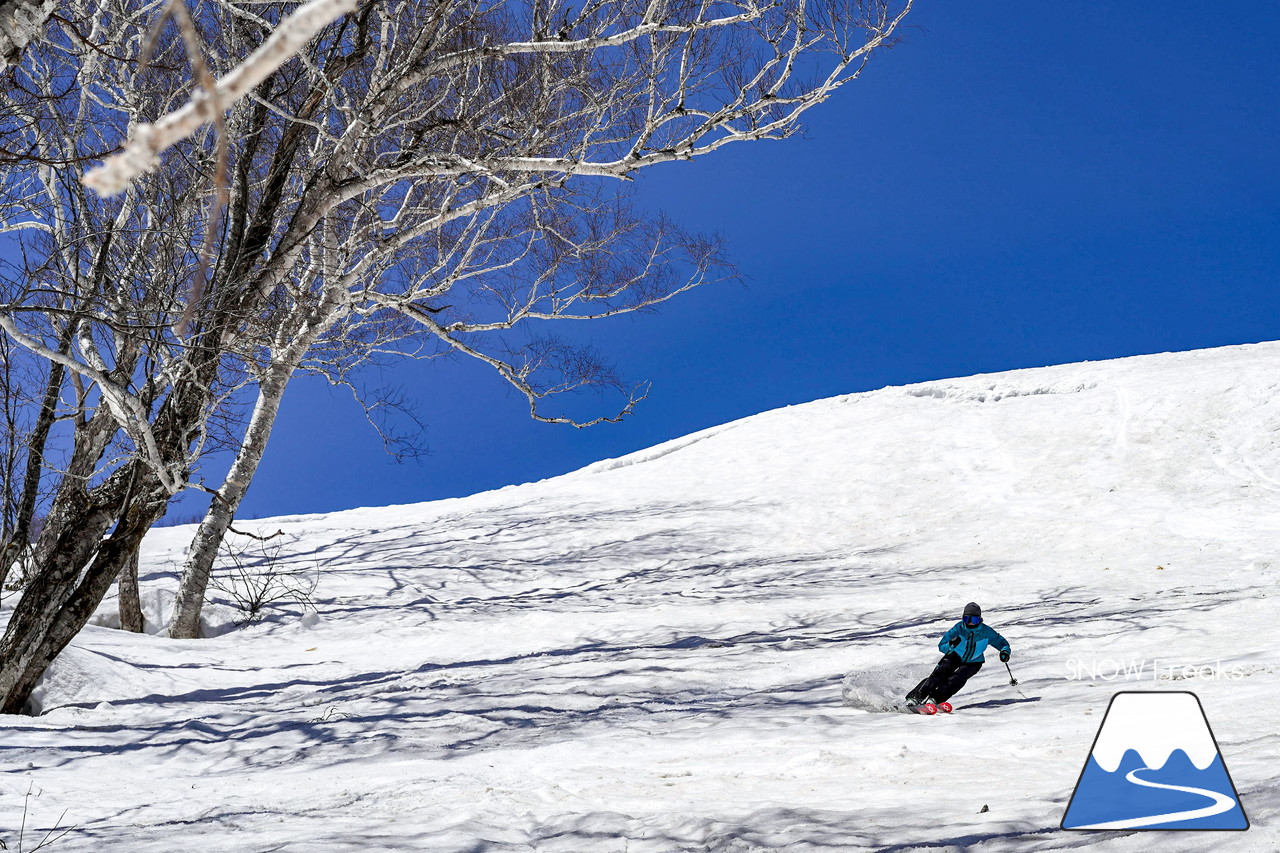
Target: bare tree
[[95, 296], [440, 166], [254, 577]]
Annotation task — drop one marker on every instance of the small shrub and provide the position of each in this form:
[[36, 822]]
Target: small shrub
[[250, 572]]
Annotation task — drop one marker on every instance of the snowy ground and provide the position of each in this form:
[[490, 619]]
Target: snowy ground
[[649, 654]]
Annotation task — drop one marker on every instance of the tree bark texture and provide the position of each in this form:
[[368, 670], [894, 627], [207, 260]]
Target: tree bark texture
[[194, 582], [130, 599], [34, 636], [20, 22], [63, 594], [20, 540]]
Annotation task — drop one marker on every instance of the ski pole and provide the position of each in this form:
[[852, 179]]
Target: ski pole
[[1013, 682]]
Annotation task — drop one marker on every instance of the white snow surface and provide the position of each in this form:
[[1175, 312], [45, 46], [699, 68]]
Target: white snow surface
[[692, 648]]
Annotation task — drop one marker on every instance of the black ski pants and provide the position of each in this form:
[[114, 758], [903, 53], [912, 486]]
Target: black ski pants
[[946, 679]]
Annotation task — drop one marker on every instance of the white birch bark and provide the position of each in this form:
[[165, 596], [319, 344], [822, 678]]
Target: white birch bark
[[194, 581], [21, 22], [185, 623]]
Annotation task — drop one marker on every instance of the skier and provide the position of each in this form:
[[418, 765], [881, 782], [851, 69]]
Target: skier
[[962, 648]]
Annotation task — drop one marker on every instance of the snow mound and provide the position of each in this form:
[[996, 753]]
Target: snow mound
[[84, 678], [993, 392], [656, 452], [157, 606]]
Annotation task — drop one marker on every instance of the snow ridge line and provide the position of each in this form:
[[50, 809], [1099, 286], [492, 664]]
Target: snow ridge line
[[654, 453]]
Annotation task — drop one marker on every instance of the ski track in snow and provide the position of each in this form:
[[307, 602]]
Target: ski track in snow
[[655, 653]]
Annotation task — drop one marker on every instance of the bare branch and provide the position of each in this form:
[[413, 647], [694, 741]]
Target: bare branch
[[141, 154]]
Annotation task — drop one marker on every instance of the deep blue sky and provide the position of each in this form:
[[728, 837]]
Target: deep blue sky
[[1015, 185]]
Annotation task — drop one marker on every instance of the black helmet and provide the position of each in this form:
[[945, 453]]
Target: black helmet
[[972, 616]]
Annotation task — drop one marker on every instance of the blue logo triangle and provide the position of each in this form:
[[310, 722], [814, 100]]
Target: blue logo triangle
[[1154, 765]]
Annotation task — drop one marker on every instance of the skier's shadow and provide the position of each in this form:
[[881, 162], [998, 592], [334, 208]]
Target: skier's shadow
[[996, 703]]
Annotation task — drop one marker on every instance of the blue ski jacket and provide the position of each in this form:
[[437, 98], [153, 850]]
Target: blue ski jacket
[[973, 642]]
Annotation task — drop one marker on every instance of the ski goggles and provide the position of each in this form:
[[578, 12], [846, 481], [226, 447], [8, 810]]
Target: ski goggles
[[972, 621]]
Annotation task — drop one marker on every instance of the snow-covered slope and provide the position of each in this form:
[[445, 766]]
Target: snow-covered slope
[[688, 649]]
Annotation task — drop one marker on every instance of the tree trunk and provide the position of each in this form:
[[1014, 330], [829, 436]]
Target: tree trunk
[[130, 599], [64, 593], [46, 629], [35, 632], [92, 437], [20, 540], [185, 624]]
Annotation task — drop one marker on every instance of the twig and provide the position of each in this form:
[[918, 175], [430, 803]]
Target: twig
[[49, 838], [254, 535]]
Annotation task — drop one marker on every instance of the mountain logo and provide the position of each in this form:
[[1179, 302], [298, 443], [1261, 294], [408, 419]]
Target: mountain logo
[[1154, 765]]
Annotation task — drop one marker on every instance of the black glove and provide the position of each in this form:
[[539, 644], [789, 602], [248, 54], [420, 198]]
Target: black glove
[[955, 641], [1004, 656]]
